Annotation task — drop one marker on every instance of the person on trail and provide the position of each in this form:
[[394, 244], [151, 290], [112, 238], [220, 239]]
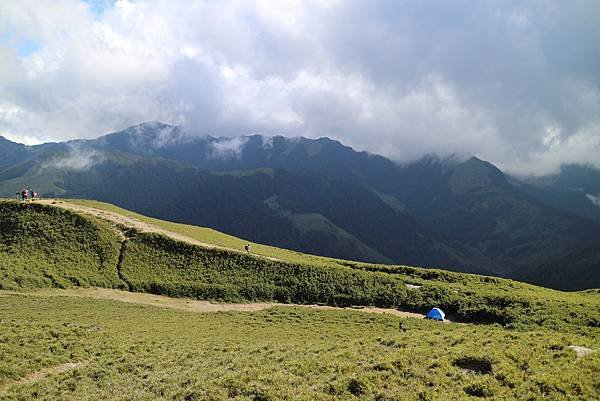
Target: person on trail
[[247, 248], [32, 194], [24, 194], [18, 196]]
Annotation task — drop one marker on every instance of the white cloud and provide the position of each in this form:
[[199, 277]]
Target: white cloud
[[582, 147], [502, 81], [228, 148], [77, 158], [595, 199]]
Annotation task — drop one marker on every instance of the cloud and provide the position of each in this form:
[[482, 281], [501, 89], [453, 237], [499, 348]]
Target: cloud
[[77, 158], [228, 148], [267, 142], [595, 199], [511, 82], [146, 138]]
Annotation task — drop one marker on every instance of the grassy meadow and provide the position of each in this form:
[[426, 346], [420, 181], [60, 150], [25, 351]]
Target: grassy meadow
[[66, 348], [513, 342]]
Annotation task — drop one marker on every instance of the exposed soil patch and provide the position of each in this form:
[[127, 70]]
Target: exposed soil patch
[[191, 305], [481, 366], [581, 351]]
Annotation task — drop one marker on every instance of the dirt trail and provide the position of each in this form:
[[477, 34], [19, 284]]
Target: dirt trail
[[139, 225], [581, 351], [191, 305], [175, 303]]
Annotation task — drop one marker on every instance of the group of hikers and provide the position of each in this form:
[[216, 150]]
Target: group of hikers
[[26, 194]]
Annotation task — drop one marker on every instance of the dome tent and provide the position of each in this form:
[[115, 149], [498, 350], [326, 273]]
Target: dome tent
[[436, 314]]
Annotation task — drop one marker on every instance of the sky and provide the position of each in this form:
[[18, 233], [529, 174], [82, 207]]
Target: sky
[[516, 83]]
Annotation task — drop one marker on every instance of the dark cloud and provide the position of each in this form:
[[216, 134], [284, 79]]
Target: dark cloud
[[517, 83]]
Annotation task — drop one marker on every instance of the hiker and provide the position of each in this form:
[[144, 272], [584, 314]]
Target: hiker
[[32, 194], [24, 194], [18, 196], [247, 248]]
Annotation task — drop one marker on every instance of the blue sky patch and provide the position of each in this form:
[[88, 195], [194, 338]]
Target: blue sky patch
[[99, 6], [28, 47]]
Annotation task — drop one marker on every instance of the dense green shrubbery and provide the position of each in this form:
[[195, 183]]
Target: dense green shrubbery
[[156, 264], [42, 246], [153, 263]]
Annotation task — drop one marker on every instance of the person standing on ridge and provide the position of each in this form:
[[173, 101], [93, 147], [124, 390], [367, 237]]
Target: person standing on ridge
[[247, 248]]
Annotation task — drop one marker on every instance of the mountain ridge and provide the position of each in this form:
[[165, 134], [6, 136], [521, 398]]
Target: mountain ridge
[[458, 214]]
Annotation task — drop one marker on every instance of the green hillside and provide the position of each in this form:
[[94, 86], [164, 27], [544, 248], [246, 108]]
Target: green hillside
[[45, 246], [321, 197], [56, 346], [214, 237]]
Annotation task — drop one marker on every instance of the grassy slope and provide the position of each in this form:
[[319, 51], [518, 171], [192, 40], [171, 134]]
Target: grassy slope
[[411, 275], [121, 351], [64, 249], [210, 236], [130, 352], [42, 246], [535, 300]]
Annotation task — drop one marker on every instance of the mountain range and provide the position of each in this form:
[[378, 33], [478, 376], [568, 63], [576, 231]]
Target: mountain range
[[320, 196]]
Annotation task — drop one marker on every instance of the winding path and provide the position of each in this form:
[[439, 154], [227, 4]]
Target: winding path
[[189, 305], [139, 225], [177, 303]]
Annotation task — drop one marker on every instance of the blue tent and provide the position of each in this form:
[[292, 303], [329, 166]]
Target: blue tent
[[436, 314]]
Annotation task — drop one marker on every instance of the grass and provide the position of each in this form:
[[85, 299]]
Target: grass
[[133, 352], [42, 246], [55, 347], [214, 237], [45, 246], [159, 265], [410, 275]]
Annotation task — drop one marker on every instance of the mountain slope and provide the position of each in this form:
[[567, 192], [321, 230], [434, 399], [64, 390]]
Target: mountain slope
[[503, 229], [11, 152], [69, 248], [305, 212], [575, 189], [319, 196]]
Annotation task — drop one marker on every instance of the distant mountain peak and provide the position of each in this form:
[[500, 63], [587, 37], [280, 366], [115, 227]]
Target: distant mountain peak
[[9, 150], [145, 138], [4, 140], [153, 124], [475, 174]]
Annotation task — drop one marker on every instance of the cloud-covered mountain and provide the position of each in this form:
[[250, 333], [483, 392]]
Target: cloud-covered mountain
[[322, 197], [515, 83], [575, 188]]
